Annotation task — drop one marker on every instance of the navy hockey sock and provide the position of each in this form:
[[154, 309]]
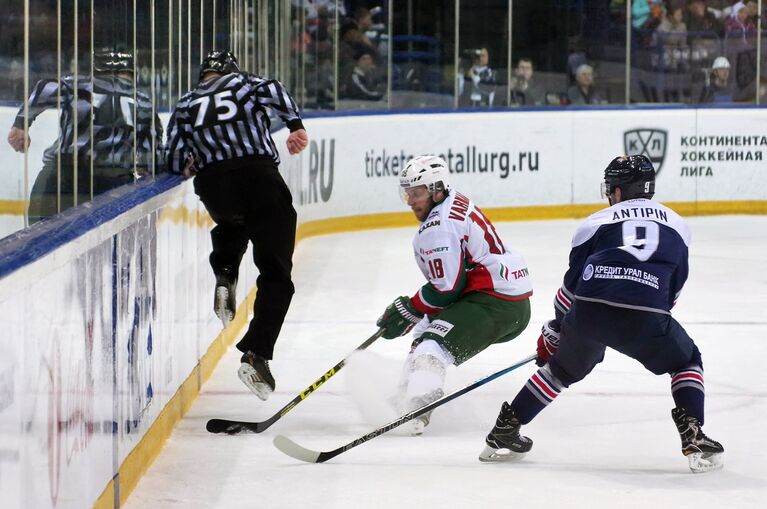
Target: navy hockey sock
[[538, 392], [688, 390]]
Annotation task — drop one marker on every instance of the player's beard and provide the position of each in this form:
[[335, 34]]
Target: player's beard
[[421, 216]]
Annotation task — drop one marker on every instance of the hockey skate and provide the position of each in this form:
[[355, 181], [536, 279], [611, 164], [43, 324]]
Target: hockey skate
[[504, 443], [417, 425], [703, 453], [224, 299], [255, 374]]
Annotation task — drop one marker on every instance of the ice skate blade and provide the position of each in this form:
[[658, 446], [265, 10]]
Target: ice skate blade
[[702, 462], [490, 455], [224, 314], [250, 378]]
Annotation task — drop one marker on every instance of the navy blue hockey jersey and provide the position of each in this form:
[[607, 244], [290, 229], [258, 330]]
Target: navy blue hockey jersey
[[632, 255]]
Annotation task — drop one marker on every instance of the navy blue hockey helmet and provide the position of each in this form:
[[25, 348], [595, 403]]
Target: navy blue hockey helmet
[[634, 175], [222, 62], [111, 61]]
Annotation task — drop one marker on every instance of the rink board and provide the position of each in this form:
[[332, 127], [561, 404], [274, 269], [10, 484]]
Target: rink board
[[108, 336], [509, 159], [546, 163], [105, 334]]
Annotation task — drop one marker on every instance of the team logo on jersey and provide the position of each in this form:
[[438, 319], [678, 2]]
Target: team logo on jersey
[[588, 272], [428, 252], [428, 224], [648, 142]]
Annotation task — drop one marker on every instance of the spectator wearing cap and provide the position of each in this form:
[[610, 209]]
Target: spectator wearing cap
[[718, 89], [583, 92]]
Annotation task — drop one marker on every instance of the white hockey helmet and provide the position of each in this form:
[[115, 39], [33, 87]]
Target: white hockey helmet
[[428, 170]]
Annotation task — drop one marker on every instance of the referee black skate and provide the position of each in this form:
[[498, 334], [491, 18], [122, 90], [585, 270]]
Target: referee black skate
[[220, 132]]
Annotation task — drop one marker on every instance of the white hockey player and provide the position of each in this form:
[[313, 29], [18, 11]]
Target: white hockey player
[[477, 288]]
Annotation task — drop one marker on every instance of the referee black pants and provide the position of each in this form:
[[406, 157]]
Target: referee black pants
[[249, 201]]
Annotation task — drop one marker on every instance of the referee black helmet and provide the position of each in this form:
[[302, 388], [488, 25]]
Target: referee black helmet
[[219, 61]]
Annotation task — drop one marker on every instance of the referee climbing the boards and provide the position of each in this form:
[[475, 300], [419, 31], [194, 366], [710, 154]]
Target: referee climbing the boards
[[219, 132]]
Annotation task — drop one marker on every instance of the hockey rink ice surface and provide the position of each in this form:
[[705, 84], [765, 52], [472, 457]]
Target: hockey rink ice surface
[[608, 441]]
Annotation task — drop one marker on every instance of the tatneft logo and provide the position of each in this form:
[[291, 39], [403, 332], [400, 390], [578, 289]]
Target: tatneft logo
[[648, 142], [588, 272]]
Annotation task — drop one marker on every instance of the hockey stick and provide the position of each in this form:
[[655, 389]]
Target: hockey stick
[[235, 427], [298, 452]]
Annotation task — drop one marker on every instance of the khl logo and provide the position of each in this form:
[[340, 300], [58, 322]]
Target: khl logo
[[648, 142]]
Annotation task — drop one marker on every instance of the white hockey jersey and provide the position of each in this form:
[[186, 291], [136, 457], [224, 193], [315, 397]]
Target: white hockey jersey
[[459, 252]]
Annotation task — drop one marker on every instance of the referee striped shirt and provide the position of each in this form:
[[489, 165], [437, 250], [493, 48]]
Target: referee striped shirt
[[119, 120], [225, 118]]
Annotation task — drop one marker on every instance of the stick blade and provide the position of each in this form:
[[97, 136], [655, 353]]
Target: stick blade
[[227, 426], [222, 426], [292, 449]]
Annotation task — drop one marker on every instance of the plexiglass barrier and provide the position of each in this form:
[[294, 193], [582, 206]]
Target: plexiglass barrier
[[86, 82]]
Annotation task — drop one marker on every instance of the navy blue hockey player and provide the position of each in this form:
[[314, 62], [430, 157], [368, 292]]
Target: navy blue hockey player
[[628, 264]]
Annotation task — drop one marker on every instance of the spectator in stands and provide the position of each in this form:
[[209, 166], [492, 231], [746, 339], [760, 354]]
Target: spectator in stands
[[347, 46], [698, 18], [479, 81], [363, 20], [672, 37], [703, 31], [752, 5], [319, 55], [742, 22], [646, 15], [583, 92], [718, 89], [524, 91], [364, 81], [721, 9], [353, 40], [353, 43]]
